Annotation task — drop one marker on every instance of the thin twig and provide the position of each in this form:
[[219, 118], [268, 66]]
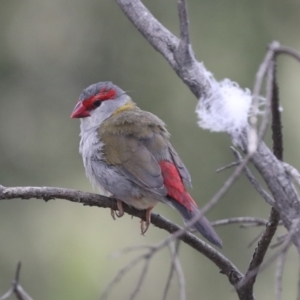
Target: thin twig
[[270, 95], [141, 279], [298, 285], [293, 172], [233, 164], [276, 118], [171, 271], [287, 243], [227, 184], [255, 240], [174, 257], [288, 51], [183, 22], [280, 241], [16, 287], [279, 274], [260, 75], [253, 180], [260, 251], [7, 294], [129, 249], [121, 273], [244, 220], [178, 269]]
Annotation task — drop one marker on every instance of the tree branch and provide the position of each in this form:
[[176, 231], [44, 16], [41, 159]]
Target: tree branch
[[196, 77], [166, 44], [90, 199], [241, 220], [16, 287]]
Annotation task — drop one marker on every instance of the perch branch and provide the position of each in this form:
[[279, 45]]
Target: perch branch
[[90, 199]]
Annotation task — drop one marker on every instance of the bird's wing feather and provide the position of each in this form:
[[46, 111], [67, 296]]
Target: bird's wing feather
[[181, 200], [184, 173], [136, 142], [175, 187], [133, 159]]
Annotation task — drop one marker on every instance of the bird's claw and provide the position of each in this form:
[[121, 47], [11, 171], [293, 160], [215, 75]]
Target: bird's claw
[[120, 212], [144, 227], [145, 224]]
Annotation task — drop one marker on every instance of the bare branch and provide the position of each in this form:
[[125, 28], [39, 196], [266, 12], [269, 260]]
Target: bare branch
[[279, 274], [156, 34], [262, 71], [293, 172], [244, 220], [227, 184], [175, 266], [178, 269], [271, 227], [120, 275], [260, 252], [253, 180], [167, 44], [288, 51], [16, 287], [184, 22], [233, 164], [276, 117], [271, 82], [141, 279], [129, 249], [298, 293], [184, 54], [195, 76], [286, 200], [172, 267], [255, 240], [47, 193], [253, 272]]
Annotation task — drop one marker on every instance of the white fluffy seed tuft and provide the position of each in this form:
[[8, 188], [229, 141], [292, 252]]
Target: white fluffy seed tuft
[[226, 108]]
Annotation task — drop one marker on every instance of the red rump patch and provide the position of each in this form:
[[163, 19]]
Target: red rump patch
[[103, 95], [175, 186]]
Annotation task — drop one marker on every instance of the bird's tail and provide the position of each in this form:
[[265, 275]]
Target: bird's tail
[[202, 225]]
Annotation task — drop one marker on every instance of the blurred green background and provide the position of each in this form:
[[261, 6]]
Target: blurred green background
[[50, 51]]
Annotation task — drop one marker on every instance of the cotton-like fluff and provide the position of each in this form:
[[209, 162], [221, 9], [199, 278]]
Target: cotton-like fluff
[[225, 108]]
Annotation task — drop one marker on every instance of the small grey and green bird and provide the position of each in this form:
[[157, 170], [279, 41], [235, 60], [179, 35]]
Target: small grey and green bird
[[127, 155]]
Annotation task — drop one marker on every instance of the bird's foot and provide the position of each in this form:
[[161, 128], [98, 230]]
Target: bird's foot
[[120, 212], [145, 224], [120, 209]]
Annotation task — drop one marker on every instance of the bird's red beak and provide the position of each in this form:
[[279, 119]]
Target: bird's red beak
[[80, 111]]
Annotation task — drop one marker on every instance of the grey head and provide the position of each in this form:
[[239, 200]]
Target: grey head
[[98, 102]]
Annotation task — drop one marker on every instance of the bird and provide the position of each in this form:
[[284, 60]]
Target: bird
[[128, 156]]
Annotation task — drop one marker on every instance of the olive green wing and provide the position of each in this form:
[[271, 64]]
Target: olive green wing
[[135, 161]]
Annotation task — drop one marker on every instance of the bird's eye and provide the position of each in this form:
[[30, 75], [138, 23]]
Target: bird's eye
[[97, 103]]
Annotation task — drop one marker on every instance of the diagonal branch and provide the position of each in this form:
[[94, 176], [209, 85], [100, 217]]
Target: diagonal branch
[[197, 78], [167, 44]]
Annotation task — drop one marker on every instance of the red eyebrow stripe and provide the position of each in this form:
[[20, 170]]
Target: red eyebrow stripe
[[106, 95], [102, 95]]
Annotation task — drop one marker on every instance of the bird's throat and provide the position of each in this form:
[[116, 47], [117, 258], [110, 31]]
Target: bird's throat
[[128, 105]]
